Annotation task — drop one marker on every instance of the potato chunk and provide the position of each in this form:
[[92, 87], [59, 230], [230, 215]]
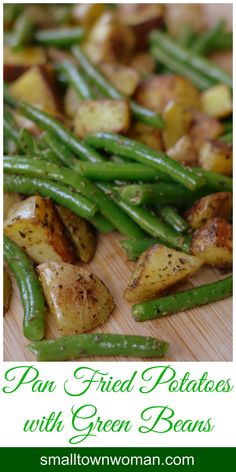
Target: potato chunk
[[86, 13], [78, 299], [142, 18], [34, 87], [217, 157], [217, 204], [71, 102], [34, 225], [109, 40], [157, 269], [183, 151], [204, 127], [146, 134], [177, 122], [102, 115], [156, 91], [10, 199], [213, 243], [143, 63], [217, 101], [17, 62], [81, 232], [179, 15], [124, 78]]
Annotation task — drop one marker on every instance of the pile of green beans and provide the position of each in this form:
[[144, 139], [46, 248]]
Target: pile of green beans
[[30, 290], [150, 223], [39, 169], [126, 147], [108, 90], [201, 71]]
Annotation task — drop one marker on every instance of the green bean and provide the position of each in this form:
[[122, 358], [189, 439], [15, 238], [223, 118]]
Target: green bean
[[41, 169], [59, 37], [108, 90], [187, 36], [115, 143], [180, 68], [198, 63], [181, 301], [63, 154], [147, 221], [206, 41], [228, 126], [23, 32], [135, 247], [81, 206], [158, 193], [57, 129], [214, 181], [98, 344], [110, 171], [227, 138], [101, 223], [170, 216], [10, 130], [30, 291], [224, 41], [75, 80]]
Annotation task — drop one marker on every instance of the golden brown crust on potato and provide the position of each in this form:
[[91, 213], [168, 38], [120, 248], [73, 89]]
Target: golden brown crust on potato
[[157, 269], [34, 225], [217, 204], [213, 243], [78, 299], [156, 91]]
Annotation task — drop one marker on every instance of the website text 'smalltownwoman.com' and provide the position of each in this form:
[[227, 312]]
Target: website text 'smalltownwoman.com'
[[74, 459]]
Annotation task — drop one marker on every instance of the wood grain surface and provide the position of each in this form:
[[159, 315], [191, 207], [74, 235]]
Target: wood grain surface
[[201, 334]]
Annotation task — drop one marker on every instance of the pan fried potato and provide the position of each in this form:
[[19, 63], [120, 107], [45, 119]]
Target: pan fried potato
[[213, 243], [217, 101], [203, 128], [81, 233], [141, 18], [177, 122], [86, 14], [102, 115], [124, 78], [147, 135], [184, 151], [34, 226], [17, 62], [143, 63], [71, 102], [218, 204], [10, 199], [34, 87], [7, 290], [156, 91], [157, 269], [217, 157], [109, 40], [179, 15], [78, 299]]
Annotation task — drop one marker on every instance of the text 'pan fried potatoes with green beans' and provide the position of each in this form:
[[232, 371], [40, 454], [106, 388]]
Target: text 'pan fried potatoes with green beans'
[[117, 130]]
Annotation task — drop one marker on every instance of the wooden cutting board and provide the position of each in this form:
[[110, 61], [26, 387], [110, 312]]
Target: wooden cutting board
[[201, 334]]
